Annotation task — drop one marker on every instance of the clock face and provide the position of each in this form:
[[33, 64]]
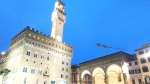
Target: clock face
[[58, 38]]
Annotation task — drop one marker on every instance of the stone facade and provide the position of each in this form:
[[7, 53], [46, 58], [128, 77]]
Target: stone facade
[[143, 58], [75, 74], [107, 69], [35, 58], [117, 68]]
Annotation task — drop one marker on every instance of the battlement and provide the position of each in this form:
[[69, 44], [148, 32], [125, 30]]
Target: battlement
[[40, 34], [60, 2], [35, 31]]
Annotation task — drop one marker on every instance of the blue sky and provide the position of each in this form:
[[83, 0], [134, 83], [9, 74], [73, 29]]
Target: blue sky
[[124, 24]]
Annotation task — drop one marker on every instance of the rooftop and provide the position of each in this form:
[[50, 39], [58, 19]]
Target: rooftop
[[109, 56], [144, 46]]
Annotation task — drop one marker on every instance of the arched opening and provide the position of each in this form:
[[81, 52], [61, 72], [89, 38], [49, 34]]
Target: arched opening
[[115, 75], [86, 77], [99, 76]]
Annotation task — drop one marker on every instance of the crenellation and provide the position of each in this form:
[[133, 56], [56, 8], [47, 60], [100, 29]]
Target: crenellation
[[27, 28], [32, 29], [42, 37], [37, 31], [41, 33], [61, 3]]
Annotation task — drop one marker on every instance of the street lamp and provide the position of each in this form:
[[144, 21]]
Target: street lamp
[[3, 53]]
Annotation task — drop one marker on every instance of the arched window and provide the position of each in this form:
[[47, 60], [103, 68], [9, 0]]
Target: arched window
[[67, 76], [66, 70], [42, 56], [62, 75], [67, 63], [25, 69], [32, 71], [62, 69], [47, 58], [35, 54], [40, 72], [28, 53], [142, 60]]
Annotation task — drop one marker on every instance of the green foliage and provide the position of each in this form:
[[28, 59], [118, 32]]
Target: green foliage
[[4, 71]]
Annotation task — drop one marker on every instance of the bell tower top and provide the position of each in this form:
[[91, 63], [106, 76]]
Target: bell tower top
[[59, 5], [58, 20]]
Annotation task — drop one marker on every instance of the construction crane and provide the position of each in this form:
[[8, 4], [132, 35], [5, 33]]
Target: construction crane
[[105, 47]]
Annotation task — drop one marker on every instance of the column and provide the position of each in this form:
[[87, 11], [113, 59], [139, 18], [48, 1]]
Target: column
[[125, 78], [93, 80], [80, 81], [106, 79]]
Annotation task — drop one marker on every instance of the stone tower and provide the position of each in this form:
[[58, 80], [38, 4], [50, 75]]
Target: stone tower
[[58, 20]]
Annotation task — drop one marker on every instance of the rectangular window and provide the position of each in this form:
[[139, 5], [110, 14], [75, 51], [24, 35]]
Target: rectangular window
[[148, 58], [141, 52], [66, 76], [62, 69], [47, 58], [147, 51], [140, 81], [67, 63], [62, 75], [131, 71], [147, 80], [142, 60], [133, 81], [130, 64], [136, 63], [137, 71], [145, 69], [66, 70], [52, 82], [44, 82]]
